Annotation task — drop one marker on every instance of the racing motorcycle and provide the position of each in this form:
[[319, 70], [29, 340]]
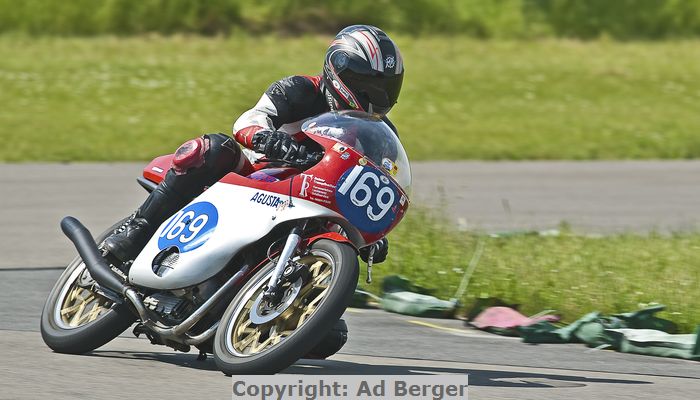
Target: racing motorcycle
[[257, 269]]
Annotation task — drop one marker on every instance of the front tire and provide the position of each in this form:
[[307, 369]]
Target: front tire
[[246, 342], [76, 320]]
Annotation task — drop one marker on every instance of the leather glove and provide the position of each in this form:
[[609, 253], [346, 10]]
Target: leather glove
[[281, 146], [382, 250]]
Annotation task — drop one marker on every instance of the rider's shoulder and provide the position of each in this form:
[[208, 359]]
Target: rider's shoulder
[[299, 83], [300, 94]]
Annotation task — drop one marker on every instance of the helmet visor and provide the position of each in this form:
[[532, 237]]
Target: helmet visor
[[377, 93]]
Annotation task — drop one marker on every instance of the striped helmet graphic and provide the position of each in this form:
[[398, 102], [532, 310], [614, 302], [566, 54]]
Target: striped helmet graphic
[[363, 70]]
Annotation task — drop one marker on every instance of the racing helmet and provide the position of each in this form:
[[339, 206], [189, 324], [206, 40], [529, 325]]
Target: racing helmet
[[363, 70]]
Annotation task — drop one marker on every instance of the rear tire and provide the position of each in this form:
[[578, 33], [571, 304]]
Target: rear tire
[[61, 326], [233, 357]]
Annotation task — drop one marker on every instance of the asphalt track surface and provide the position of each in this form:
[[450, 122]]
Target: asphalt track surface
[[659, 195]]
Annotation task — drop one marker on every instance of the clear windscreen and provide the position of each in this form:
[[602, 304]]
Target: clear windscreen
[[368, 135]]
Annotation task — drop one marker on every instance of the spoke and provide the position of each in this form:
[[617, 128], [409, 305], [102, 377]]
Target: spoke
[[90, 297], [89, 316], [245, 326], [75, 321], [249, 340], [95, 312], [316, 266], [309, 310], [311, 307], [314, 285], [261, 346], [320, 278], [74, 294], [319, 297], [69, 310], [276, 339]]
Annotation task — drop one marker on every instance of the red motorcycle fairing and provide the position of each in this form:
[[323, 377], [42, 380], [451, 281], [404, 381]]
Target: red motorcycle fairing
[[318, 184], [155, 170]]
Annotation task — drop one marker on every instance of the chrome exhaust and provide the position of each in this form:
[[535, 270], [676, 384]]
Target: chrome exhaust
[[175, 332]]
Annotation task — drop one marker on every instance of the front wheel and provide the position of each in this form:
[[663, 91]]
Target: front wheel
[[253, 338]]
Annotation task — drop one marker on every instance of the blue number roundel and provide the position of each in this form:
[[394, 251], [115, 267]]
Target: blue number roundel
[[367, 198], [190, 228]]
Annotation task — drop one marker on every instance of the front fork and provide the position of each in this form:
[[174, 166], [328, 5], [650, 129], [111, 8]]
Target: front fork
[[290, 247]]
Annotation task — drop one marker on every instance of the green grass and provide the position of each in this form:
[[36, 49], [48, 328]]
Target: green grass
[[569, 273], [620, 19], [131, 99]]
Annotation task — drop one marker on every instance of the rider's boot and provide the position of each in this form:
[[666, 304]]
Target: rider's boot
[[134, 234], [331, 343]]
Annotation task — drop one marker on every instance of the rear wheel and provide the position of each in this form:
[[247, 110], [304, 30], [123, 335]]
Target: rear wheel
[[254, 338], [77, 320]]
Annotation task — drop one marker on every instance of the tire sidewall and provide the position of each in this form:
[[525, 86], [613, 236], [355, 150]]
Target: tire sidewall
[[313, 330]]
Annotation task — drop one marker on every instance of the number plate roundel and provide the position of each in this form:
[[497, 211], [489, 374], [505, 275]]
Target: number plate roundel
[[190, 228], [366, 200]]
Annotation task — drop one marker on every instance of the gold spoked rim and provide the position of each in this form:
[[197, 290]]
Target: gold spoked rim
[[245, 338], [77, 305]]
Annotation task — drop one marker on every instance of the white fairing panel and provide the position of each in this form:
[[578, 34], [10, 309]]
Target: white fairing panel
[[211, 229]]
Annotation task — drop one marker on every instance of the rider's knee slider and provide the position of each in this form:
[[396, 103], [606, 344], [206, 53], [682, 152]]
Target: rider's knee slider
[[190, 155]]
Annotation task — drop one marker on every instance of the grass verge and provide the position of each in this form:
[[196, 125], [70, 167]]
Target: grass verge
[[111, 99], [569, 273]]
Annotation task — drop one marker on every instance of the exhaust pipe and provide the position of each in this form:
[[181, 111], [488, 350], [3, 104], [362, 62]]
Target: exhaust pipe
[[95, 263]]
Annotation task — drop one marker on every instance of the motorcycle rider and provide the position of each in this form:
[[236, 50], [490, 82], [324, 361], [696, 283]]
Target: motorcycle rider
[[362, 70]]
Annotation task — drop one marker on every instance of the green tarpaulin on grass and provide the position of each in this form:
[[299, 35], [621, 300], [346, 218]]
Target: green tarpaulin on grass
[[546, 332], [656, 343], [638, 332], [403, 297], [419, 305]]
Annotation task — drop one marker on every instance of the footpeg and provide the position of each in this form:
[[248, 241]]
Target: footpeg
[[142, 329]]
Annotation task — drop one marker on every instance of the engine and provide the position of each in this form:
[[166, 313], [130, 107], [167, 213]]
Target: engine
[[171, 308], [174, 306]]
